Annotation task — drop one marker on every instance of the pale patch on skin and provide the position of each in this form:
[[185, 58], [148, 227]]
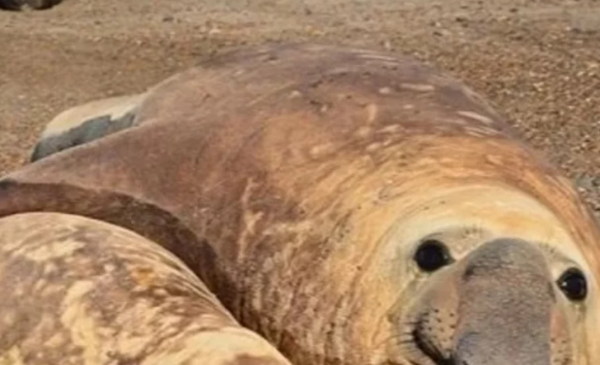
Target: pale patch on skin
[[250, 218], [44, 253], [322, 150], [394, 128], [376, 56], [476, 116], [81, 325], [295, 94], [480, 131], [374, 146], [372, 111], [120, 298], [417, 87], [363, 132]]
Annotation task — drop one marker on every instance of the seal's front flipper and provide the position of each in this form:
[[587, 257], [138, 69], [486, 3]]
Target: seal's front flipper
[[87, 122]]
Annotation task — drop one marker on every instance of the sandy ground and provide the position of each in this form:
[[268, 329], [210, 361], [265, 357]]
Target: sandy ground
[[538, 61]]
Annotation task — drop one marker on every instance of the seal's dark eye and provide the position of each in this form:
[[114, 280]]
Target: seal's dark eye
[[432, 255], [572, 282]]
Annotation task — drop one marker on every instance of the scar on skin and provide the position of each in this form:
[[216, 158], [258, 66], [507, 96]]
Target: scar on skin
[[385, 90], [417, 87], [295, 94], [375, 56], [390, 128], [373, 146], [321, 150], [372, 111], [475, 116], [363, 132]]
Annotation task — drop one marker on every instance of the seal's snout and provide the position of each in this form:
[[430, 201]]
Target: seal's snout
[[505, 304], [496, 306]]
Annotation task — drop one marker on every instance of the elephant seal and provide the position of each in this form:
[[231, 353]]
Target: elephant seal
[[349, 206]]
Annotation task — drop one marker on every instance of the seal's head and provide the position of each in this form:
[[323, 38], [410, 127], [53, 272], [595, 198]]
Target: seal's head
[[495, 293], [498, 305]]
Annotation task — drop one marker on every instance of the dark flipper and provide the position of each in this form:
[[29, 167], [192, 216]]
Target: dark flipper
[[86, 123]]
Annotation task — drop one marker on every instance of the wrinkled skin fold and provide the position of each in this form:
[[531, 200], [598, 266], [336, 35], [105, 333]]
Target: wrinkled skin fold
[[298, 181]]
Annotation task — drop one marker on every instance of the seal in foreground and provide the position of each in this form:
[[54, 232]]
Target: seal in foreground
[[348, 206], [87, 292]]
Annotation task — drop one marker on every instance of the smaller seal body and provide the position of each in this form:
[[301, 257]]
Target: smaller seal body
[[77, 290]]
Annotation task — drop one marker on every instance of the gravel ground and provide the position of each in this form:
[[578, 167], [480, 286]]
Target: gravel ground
[[538, 61]]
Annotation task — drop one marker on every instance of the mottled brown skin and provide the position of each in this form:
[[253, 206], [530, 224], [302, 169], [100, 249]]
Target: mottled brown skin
[[81, 291], [297, 183]]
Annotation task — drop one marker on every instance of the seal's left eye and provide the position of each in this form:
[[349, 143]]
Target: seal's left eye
[[432, 255], [573, 284]]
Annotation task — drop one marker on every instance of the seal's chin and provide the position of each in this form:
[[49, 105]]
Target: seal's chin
[[493, 307]]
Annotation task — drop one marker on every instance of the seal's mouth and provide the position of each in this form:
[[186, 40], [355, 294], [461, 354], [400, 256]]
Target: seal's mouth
[[429, 351]]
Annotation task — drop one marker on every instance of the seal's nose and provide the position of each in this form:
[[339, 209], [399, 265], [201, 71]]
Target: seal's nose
[[506, 300]]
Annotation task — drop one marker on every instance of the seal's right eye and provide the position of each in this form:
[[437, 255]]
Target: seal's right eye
[[432, 255], [573, 284]]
